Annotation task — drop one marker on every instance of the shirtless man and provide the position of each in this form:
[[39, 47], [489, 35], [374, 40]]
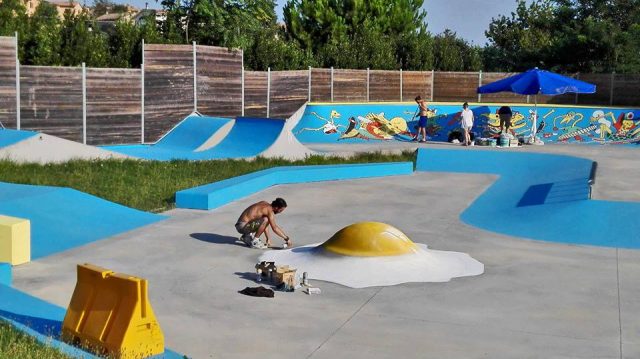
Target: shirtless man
[[254, 220], [422, 122]]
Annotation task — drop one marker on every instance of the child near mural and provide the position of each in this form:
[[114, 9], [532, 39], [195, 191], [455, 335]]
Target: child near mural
[[422, 122], [466, 123]]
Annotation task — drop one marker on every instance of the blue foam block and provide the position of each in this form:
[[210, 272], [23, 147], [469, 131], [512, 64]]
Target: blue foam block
[[220, 193]]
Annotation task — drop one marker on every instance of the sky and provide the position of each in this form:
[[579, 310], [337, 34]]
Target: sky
[[468, 18]]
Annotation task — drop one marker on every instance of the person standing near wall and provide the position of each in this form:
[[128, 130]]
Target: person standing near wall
[[422, 121], [466, 123], [504, 113]]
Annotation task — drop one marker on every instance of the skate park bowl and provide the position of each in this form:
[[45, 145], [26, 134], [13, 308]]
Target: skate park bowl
[[363, 123]]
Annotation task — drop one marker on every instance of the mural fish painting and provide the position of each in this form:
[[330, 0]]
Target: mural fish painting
[[324, 123], [375, 127]]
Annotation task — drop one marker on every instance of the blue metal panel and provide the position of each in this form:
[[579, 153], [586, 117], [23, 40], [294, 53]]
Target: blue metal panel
[[565, 215], [220, 193]]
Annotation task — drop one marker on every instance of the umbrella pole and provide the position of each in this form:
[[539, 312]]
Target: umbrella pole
[[535, 117]]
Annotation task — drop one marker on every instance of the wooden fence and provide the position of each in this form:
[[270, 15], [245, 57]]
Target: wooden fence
[[113, 106]]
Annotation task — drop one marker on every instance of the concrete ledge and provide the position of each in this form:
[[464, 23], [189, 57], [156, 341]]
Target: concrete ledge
[[5, 273], [220, 193]]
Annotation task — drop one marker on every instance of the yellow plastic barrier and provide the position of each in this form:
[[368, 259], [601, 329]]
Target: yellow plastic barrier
[[15, 240], [110, 314]]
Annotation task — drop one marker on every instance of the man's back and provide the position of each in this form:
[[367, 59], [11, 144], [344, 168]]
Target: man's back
[[255, 211]]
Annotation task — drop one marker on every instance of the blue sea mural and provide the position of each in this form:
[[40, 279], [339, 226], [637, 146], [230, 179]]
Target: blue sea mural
[[322, 123]]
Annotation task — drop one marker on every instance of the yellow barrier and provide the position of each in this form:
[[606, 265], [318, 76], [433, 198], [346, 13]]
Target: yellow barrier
[[110, 314], [15, 240]]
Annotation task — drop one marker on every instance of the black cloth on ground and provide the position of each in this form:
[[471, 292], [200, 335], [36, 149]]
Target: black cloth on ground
[[257, 292]]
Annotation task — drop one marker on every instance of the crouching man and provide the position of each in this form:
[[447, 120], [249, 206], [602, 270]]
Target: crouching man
[[254, 220]]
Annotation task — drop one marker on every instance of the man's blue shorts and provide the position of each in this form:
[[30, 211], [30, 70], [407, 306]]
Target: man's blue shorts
[[423, 121]]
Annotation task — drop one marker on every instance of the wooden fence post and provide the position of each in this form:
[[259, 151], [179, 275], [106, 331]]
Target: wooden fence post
[[479, 84], [400, 85], [195, 79], [577, 78], [331, 83], [242, 79], [84, 103], [142, 96], [433, 78], [268, 90], [613, 74], [309, 86], [17, 84], [367, 84]]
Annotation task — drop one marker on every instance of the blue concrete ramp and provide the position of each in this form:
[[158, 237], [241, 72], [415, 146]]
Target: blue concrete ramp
[[63, 218], [178, 143], [248, 137], [539, 196], [11, 137]]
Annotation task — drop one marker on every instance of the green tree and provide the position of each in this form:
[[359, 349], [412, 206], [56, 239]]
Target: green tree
[[43, 44], [123, 43], [13, 18], [270, 50], [566, 36], [345, 32], [82, 41], [455, 54]]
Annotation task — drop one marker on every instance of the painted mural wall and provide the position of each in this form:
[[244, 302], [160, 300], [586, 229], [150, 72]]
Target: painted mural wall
[[322, 123]]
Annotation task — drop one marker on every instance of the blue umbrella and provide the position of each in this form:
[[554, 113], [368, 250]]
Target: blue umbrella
[[536, 81]]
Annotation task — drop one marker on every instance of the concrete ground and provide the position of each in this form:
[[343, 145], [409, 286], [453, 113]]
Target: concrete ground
[[535, 299]]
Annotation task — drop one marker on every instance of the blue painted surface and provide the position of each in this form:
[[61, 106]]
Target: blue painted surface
[[11, 137], [43, 320], [220, 193], [564, 215], [247, 138], [63, 218], [181, 141], [598, 125], [5, 273]]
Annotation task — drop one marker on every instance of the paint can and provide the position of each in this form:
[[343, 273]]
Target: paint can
[[259, 275], [504, 140]]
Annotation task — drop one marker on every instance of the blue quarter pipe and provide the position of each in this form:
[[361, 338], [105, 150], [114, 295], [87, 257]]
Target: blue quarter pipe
[[247, 138]]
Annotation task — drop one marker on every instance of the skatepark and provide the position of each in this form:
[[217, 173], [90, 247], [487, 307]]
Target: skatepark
[[559, 250]]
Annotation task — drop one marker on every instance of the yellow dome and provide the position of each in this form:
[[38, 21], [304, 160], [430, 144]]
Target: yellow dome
[[369, 239]]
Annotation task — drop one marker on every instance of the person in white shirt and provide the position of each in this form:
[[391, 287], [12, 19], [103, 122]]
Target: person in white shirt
[[466, 122]]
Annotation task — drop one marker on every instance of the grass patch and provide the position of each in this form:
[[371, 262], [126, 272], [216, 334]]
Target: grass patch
[[151, 185], [16, 344]]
